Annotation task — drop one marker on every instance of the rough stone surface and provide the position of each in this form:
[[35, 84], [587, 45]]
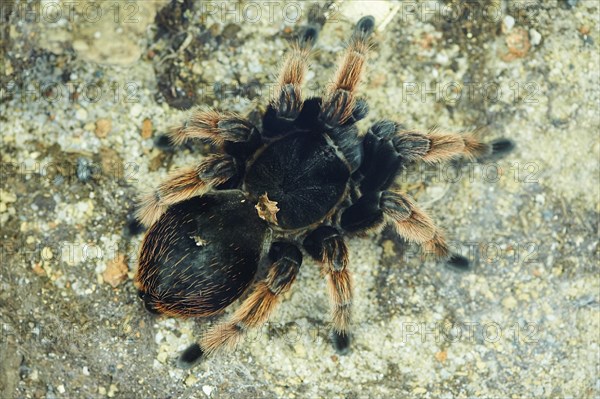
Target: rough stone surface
[[522, 321]]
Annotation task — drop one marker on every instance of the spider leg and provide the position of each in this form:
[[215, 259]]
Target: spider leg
[[186, 183], [287, 103], [387, 147], [437, 146], [326, 245], [255, 310], [380, 162], [219, 127], [373, 210], [340, 102]]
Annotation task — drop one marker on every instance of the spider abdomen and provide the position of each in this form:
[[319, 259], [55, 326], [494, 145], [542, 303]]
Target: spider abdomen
[[303, 173], [201, 255]]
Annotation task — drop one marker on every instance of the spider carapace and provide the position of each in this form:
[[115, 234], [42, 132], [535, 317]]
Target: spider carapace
[[302, 182]]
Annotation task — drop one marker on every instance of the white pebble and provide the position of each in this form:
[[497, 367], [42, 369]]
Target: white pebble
[[136, 110], [535, 37], [441, 58], [540, 199], [34, 375], [207, 389], [158, 337], [509, 22], [81, 114]]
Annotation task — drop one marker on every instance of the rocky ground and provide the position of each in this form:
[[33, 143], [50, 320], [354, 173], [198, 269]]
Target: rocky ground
[[86, 91]]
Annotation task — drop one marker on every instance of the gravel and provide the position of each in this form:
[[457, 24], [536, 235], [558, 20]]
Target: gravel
[[83, 101]]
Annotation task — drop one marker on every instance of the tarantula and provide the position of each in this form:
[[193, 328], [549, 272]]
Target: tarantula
[[306, 180]]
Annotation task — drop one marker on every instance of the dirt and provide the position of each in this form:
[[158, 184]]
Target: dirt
[[85, 103]]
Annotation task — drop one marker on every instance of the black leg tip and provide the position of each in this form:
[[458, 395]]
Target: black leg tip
[[308, 36], [148, 305], [134, 227], [459, 262], [365, 26], [360, 111], [384, 129], [163, 142], [341, 342], [502, 146], [190, 357]]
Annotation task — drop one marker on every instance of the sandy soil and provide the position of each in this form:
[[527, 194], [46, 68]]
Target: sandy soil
[[86, 90]]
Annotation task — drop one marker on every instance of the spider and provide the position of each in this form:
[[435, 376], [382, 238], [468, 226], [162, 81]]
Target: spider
[[303, 182]]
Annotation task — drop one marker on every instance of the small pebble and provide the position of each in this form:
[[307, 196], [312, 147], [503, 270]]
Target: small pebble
[[47, 253], [207, 389], [540, 199], [535, 37], [38, 270], [80, 45], [441, 58], [518, 44], [7, 197], [84, 169], [584, 29], [116, 271], [112, 389], [146, 129], [508, 23], [300, 350], [61, 388], [509, 302], [441, 356], [191, 380], [230, 31], [103, 127], [81, 114], [162, 357], [136, 110]]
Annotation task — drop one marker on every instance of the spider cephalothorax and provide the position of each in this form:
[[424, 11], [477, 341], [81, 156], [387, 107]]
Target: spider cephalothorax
[[305, 180]]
